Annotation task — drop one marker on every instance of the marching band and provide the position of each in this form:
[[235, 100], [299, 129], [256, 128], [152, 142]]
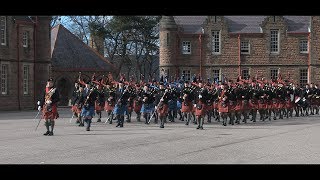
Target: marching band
[[194, 100]]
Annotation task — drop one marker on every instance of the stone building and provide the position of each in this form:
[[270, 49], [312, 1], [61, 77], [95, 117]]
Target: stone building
[[227, 46], [69, 56], [24, 60]]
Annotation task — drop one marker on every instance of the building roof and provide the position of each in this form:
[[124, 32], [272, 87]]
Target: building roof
[[68, 52], [242, 24]]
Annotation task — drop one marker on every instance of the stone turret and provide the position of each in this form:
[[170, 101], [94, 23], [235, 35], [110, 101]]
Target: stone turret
[[168, 45]]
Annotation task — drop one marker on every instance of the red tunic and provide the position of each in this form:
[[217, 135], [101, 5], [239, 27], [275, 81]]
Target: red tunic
[[53, 114]]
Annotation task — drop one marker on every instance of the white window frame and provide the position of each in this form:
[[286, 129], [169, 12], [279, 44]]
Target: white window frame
[[274, 41], [216, 42], [303, 46], [3, 30], [26, 71], [303, 81], [274, 72], [242, 73], [25, 39], [186, 47], [187, 74], [4, 73], [214, 73], [245, 46]]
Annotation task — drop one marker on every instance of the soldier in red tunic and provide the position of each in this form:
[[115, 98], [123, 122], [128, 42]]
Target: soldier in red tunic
[[48, 104]]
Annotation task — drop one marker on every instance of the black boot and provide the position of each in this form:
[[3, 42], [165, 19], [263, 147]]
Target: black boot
[[47, 126]]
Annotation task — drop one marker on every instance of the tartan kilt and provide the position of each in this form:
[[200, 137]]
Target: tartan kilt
[[53, 114], [313, 101], [186, 106], [87, 112], [200, 109], [147, 108], [162, 110], [238, 105], [269, 104], [245, 105], [232, 105], [215, 105], [120, 109], [209, 106], [262, 104], [253, 104], [223, 107], [281, 104], [275, 103], [137, 106], [75, 109], [98, 107], [288, 103], [109, 106]]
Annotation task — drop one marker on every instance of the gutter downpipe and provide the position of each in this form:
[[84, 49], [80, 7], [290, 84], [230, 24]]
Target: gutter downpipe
[[309, 61], [239, 56], [34, 59], [18, 68], [200, 45]]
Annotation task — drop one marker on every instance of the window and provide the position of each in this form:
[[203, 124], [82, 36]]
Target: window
[[245, 73], [186, 47], [26, 79], [214, 19], [187, 75], [216, 42], [303, 77], [4, 79], [274, 73], [303, 46], [216, 75], [25, 39], [274, 41], [3, 33], [245, 47]]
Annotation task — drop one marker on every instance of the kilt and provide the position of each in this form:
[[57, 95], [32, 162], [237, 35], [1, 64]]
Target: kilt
[[238, 105], [262, 104], [232, 106], [75, 109], [288, 104], [109, 106], [53, 114], [245, 105], [147, 108], [179, 105], [99, 108], [253, 104], [172, 105], [120, 109], [137, 106], [186, 106], [162, 110], [223, 107], [87, 112], [200, 109]]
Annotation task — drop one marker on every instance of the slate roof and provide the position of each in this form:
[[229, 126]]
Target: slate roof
[[68, 52], [242, 24]]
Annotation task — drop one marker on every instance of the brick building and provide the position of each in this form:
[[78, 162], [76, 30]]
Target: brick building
[[24, 60], [69, 56], [228, 46]]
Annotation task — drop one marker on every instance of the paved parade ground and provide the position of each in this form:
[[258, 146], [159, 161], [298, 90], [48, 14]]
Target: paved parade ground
[[295, 140]]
